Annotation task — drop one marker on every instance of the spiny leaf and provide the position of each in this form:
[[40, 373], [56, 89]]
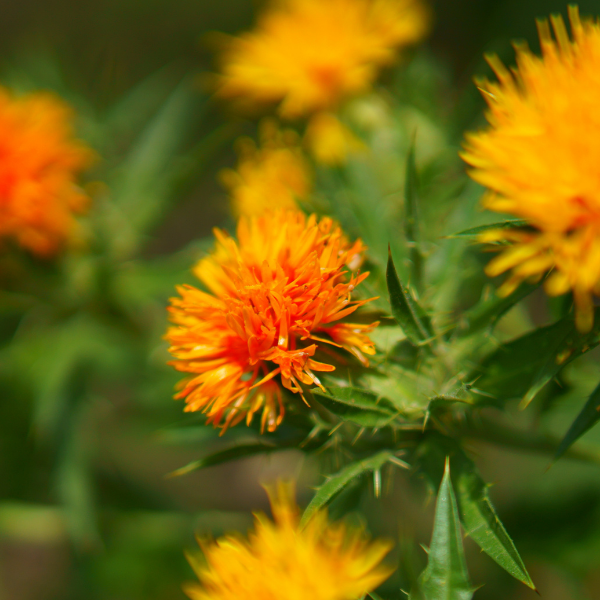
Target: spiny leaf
[[411, 218], [233, 453], [445, 577], [336, 483], [522, 367], [475, 231], [482, 524], [488, 312], [444, 404], [586, 419], [359, 406], [477, 514], [445, 401], [562, 350], [406, 310]]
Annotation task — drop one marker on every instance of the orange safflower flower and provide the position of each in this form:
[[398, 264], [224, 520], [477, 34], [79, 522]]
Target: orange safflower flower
[[539, 159], [39, 160], [272, 295], [281, 561]]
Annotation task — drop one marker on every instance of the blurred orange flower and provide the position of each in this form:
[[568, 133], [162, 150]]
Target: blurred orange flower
[[39, 160], [271, 296], [539, 159], [281, 561]]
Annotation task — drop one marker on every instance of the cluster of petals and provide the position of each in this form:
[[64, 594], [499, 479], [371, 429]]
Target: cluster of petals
[[39, 162], [273, 297], [281, 561], [539, 160], [273, 176], [311, 54]]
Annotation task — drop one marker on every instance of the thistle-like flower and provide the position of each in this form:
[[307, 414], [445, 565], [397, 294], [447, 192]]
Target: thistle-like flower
[[273, 176], [274, 297], [308, 56], [539, 159], [281, 561], [39, 161]]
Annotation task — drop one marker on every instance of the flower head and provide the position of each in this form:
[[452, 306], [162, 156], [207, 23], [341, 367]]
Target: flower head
[[39, 160], [309, 55], [272, 297], [281, 561], [272, 176], [539, 159], [329, 140]]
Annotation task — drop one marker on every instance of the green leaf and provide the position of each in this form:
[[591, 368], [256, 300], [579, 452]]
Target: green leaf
[[522, 367], [444, 404], [488, 312], [143, 184], [64, 357], [482, 524], [186, 435], [411, 218], [445, 577], [586, 419], [359, 406], [406, 310], [475, 231], [477, 514], [336, 483], [74, 482], [364, 203], [229, 454], [128, 115], [155, 147]]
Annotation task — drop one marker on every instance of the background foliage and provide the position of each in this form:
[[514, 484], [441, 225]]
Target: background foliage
[[88, 427]]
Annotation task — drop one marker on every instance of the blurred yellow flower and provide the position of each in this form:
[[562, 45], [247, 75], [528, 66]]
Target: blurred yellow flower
[[270, 177], [281, 561], [539, 158], [308, 56], [329, 140], [39, 160], [272, 295]]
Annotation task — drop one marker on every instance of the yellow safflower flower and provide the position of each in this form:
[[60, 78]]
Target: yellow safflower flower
[[329, 140], [281, 561], [308, 56], [39, 161], [273, 176], [272, 297], [539, 159]]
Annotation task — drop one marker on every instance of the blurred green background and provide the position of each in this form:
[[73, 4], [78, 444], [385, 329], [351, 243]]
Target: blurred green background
[[86, 509]]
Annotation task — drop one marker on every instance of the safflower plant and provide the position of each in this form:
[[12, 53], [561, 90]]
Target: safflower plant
[[283, 314], [348, 308]]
